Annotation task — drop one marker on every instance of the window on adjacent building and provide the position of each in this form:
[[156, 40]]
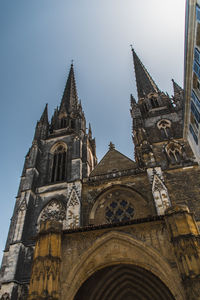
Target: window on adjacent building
[[198, 35], [198, 13], [193, 134]]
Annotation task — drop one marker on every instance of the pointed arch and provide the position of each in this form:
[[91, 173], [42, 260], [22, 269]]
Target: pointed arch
[[114, 248], [53, 210], [174, 151], [59, 162], [164, 126], [20, 220], [118, 203]]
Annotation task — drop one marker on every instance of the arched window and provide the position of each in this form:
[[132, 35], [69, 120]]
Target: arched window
[[59, 164], [174, 152], [63, 123], [73, 124], [54, 210], [154, 102], [164, 125], [145, 108]]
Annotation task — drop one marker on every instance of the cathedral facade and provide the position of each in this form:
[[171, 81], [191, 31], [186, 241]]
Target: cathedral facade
[[117, 229]]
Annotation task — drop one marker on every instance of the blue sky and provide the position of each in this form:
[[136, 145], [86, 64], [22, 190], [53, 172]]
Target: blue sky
[[39, 38]]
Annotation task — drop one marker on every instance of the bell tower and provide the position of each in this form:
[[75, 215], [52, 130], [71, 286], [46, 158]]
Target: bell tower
[[62, 154], [158, 132], [157, 122]]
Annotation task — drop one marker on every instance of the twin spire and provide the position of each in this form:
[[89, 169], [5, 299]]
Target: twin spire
[[145, 83]]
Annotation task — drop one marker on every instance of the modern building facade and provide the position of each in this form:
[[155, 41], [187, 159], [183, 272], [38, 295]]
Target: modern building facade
[[119, 229], [192, 76]]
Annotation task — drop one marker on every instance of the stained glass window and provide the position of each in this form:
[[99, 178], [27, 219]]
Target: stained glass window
[[119, 211]]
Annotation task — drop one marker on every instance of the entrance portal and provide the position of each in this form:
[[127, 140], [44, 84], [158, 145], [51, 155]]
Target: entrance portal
[[123, 282]]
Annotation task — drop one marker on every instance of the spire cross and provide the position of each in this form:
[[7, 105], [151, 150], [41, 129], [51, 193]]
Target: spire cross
[[111, 146]]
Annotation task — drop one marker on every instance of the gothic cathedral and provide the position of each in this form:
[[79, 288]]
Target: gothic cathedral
[[121, 229]]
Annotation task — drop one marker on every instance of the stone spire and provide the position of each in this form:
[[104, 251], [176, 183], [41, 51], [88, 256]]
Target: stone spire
[[44, 116], [132, 100], [70, 98], [145, 83], [178, 95], [41, 130], [176, 87]]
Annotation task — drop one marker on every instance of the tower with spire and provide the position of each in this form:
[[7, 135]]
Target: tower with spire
[[62, 154], [157, 118]]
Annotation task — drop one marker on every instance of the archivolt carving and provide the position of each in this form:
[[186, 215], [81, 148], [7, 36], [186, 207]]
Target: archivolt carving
[[119, 248]]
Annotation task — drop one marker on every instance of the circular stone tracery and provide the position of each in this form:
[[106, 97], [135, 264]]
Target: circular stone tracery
[[119, 211]]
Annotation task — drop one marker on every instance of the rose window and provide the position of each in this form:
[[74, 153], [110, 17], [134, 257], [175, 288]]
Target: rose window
[[118, 211]]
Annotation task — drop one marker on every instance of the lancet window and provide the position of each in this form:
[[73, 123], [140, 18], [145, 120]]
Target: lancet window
[[154, 102], [174, 152], [63, 123], [59, 164]]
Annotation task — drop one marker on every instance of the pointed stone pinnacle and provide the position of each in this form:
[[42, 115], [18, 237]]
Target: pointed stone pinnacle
[[176, 87], [90, 131], [132, 100], [44, 116]]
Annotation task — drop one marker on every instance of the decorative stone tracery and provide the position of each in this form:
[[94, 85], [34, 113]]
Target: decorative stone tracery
[[5, 296], [118, 204], [54, 210], [73, 210], [174, 151], [118, 211], [164, 125], [159, 190]]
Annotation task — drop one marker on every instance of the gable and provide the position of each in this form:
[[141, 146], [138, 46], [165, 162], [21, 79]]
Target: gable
[[113, 161]]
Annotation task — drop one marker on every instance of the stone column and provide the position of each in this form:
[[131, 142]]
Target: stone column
[[184, 235], [45, 277]]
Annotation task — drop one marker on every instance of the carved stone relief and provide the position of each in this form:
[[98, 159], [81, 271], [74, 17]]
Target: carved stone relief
[[54, 210], [73, 210]]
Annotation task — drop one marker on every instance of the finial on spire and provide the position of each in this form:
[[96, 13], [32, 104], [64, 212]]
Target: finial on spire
[[111, 146], [72, 62]]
